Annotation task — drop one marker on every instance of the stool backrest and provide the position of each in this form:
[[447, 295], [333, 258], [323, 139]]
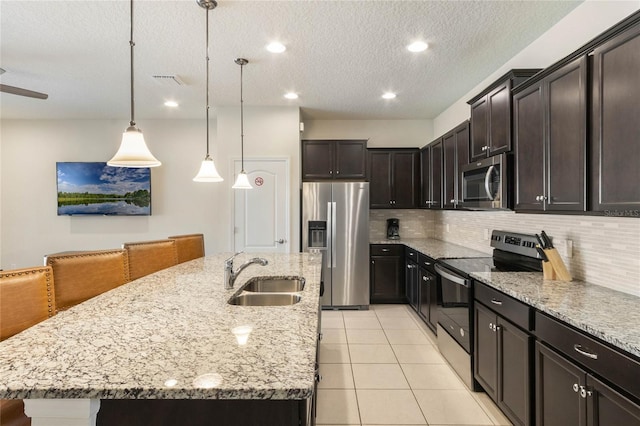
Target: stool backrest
[[190, 246], [86, 274], [147, 257]]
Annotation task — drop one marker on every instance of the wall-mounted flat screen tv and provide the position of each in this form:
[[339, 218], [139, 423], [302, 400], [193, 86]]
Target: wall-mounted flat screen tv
[[98, 189]]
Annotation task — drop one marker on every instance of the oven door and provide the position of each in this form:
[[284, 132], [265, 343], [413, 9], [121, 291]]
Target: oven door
[[483, 184], [454, 313]]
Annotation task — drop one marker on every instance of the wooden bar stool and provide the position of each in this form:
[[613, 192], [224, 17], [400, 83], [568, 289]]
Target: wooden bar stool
[[190, 246], [147, 257], [86, 274]]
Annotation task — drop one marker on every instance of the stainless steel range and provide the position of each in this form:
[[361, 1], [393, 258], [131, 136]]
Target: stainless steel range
[[512, 252]]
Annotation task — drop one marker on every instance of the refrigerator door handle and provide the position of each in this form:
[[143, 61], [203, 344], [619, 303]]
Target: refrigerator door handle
[[330, 227], [333, 234]]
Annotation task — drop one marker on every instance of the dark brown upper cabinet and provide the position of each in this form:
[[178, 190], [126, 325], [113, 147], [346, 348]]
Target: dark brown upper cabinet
[[334, 159], [491, 115], [550, 135], [455, 155], [393, 178], [615, 154], [431, 175]]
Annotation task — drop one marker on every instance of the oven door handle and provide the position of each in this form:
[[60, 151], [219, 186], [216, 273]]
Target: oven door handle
[[487, 178], [452, 277]]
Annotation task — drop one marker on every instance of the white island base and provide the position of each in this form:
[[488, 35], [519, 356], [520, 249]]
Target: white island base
[[62, 412]]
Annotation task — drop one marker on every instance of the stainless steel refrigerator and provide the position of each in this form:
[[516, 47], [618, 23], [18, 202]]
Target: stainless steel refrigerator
[[335, 223]]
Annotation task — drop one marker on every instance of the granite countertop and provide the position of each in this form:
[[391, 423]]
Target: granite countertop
[[609, 315], [170, 335], [435, 249]]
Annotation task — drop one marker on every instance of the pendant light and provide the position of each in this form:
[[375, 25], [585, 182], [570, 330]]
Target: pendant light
[[133, 151], [208, 171], [242, 181]]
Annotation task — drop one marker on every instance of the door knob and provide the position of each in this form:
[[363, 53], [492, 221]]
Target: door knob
[[281, 241]]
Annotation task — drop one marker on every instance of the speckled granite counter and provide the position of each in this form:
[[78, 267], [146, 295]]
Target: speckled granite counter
[[607, 314], [170, 336], [436, 249]]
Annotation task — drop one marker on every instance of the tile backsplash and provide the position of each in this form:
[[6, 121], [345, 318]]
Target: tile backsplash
[[606, 250]]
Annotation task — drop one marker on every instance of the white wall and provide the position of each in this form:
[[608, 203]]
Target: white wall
[[30, 227], [380, 133], [584, 23]]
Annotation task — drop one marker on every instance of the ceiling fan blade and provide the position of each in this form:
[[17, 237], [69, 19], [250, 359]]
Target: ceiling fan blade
[[22, 92]]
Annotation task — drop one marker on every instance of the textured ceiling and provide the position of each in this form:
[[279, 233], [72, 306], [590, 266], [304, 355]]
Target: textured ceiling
[[341, 55]]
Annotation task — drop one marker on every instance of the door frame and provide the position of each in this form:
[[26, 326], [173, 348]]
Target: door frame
[[232, 167]]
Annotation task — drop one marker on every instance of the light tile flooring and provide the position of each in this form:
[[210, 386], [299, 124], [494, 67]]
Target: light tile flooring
[[382, 367]]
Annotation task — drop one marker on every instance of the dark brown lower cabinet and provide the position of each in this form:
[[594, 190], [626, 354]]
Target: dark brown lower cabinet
[[428, 298], [386, 276], [568, 395], [502, 363]]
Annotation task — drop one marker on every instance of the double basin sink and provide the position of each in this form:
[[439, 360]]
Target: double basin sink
[[269, 291]]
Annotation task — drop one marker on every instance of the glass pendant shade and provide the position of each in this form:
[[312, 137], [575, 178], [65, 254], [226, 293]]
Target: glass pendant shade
[[133, 151], [208, 172], [242, 181]]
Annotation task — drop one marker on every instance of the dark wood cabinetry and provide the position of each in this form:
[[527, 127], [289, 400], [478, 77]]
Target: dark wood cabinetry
[[431, 157], [334, 159], [616, 125], [502, 353], [393, 178], [412, 283], [550, 141], [491, 116], [428, 298], [387, 278], [455, 155]]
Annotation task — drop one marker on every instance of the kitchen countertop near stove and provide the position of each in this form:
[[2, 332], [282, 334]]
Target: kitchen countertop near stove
[[170, 335], [436, 249], [609, 315]]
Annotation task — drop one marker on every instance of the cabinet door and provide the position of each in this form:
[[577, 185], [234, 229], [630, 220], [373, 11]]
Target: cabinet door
[[412, 290], [317, 160], [608, 407], [449, 170], [387, 279], [499, 111], [380, 179], [350, 159], [404, 181], [567, 137], [528, 111], [479, 127], [514, 395], [615, 125], [428, 299], [462, 157], [436, 176], [485, 353], [558, 381], [425, 177]]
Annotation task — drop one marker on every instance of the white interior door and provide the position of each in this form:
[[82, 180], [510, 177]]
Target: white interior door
[[261, 214]]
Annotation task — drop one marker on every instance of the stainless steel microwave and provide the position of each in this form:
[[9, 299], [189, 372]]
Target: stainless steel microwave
[[486, 184]]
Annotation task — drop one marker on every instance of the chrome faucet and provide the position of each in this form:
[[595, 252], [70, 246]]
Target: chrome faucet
[[230, 275]]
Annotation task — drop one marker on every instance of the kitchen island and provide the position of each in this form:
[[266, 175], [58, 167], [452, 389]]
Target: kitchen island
[[169, 336]]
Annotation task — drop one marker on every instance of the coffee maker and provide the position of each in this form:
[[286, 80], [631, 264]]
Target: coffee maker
[[393, 229]]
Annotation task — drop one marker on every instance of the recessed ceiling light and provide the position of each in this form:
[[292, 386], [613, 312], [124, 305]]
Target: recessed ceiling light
[[276, 47], [417, 46], [171, 104], [291, 95], [389, 95]]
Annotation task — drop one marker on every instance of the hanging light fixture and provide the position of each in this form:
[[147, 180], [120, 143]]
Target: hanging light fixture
[[208, 171], [242, 181], [133, 151]]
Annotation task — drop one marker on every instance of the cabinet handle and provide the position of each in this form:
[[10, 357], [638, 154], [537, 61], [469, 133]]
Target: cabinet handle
[[330, 172], [412, 254], [386, 250], [373, 262], [496, 302], [490, 326], [494, 328], [337, 172], [584, 392], [453, 201], [425, 279], [576, 388], [578, 348], [427, 263]]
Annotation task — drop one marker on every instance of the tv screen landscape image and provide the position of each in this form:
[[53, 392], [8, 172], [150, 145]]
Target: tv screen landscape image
[[98, 189]]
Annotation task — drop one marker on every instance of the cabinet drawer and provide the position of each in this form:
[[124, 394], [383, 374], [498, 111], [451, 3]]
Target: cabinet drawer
[[606, 362], [411, 253], [425, 262], [508, 307], [387, 250]]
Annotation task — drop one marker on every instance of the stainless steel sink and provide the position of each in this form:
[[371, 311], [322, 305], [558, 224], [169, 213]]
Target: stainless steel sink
[[265, 299], [275, 284]]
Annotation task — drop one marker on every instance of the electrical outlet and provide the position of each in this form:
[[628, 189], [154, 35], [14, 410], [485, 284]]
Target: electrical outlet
[[564, 247], [486, 234], [446, 227]]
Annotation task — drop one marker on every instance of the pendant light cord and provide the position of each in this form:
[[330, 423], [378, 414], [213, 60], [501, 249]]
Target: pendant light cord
[[207, 55], [241, 121], [132, 123]]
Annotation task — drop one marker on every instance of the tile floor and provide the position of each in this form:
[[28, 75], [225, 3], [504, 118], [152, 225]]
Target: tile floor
[[382, 367]]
